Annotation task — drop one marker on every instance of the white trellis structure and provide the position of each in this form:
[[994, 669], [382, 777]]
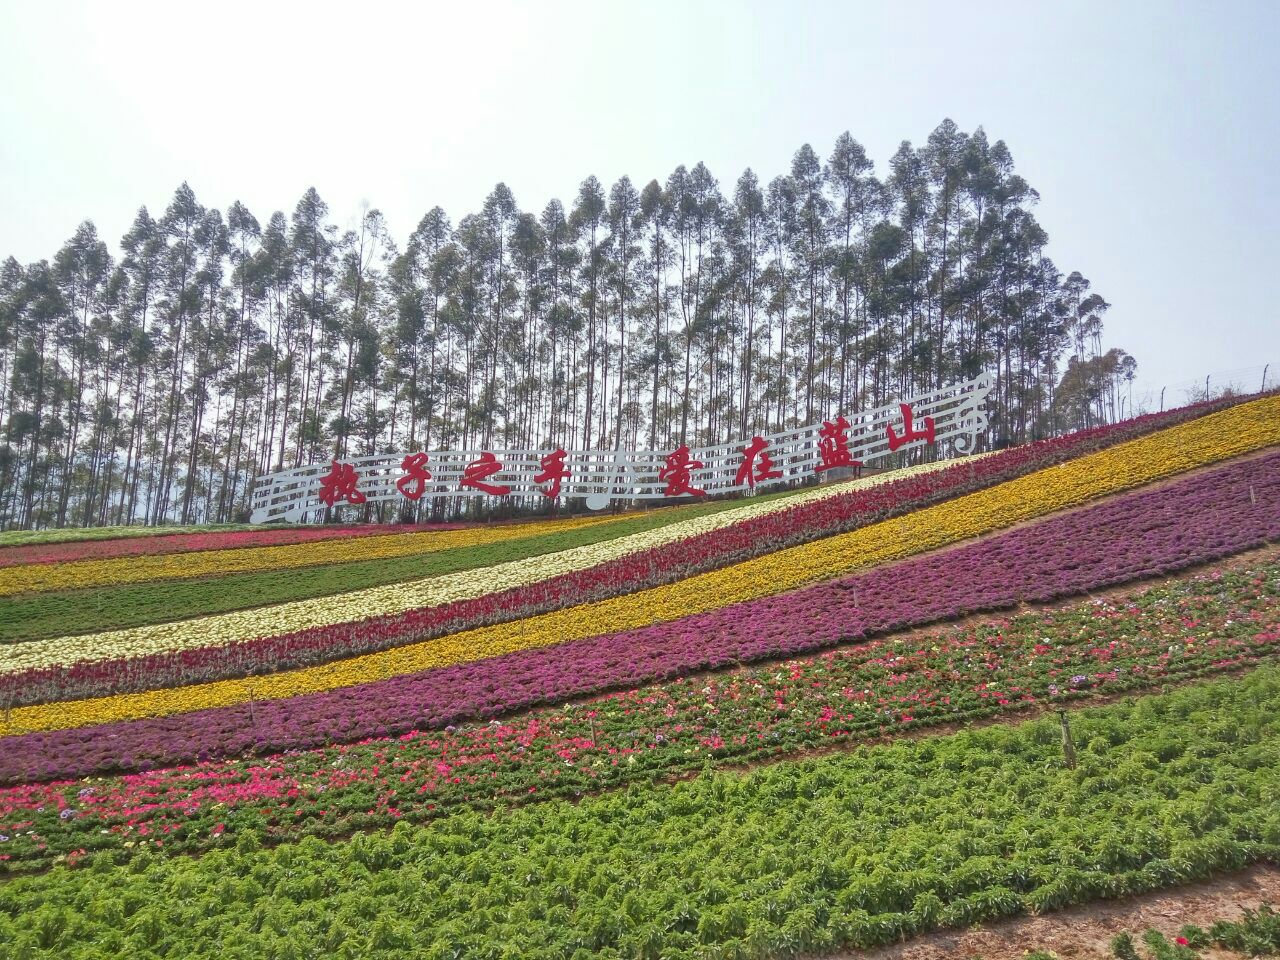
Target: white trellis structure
[[603, 476]]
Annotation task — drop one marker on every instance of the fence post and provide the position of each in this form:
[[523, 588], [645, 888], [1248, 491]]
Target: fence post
[[1068, 746]]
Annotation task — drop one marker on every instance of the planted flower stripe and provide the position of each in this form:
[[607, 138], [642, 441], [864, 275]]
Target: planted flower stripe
[[1142, 534], [627, 536], [21, 538], [122, 546], [1195, 626], [119, 570], [1211, 439], [850, 850]]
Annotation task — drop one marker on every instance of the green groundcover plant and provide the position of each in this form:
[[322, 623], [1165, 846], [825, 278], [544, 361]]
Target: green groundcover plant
[[854, 849]]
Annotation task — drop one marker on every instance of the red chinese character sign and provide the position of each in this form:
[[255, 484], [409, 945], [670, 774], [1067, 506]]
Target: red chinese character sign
[[756, 466], [908, 435], [414, 482], [945, 422], [677, 474], [480, 470], [553, 473], [339, 484], [833, 446]]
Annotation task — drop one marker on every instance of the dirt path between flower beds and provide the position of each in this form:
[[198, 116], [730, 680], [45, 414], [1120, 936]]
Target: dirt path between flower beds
[[1084, 932]]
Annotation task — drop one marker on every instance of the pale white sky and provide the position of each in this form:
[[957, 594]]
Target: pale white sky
[[1150, 129]]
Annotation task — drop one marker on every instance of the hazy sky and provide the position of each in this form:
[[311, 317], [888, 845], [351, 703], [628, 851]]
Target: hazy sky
[[1151, 130]]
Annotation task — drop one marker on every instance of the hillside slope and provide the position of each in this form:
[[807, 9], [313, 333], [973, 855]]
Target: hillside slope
[[563, 710]]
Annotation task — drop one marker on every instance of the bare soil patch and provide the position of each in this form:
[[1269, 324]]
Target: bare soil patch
[[1085, 932]]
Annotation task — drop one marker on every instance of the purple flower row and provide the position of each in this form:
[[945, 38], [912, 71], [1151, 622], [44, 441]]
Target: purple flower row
[[1199, 518]]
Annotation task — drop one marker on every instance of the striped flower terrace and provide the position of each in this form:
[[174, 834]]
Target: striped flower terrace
[[1038, 494], [619, 565]]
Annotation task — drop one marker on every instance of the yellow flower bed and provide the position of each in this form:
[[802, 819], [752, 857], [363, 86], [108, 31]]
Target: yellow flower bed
[[239, 626], [37, 577], [1208, 440]]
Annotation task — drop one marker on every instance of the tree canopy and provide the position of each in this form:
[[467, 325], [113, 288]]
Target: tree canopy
[[154, 385]]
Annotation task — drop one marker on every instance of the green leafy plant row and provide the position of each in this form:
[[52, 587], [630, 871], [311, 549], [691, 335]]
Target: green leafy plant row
[[853, 850]]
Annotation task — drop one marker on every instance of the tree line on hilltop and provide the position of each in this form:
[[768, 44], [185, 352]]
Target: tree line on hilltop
[[154, 385]]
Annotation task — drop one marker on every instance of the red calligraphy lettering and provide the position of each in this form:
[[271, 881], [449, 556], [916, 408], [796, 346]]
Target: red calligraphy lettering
[[752, 471], [833, 445], [678, 474], [479, 470], [340, 484], [908, 432], [553, 470], [416, 474]]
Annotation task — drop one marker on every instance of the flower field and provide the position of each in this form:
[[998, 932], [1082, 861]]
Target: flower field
[[444, 740], [617, 565], [1040, 492], [1121, 539], [682, 540], [1194, 626], [944, 831]]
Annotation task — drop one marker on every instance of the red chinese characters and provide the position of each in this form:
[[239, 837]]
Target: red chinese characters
[[553, 471], [414, 482], [678, 474], [833, 445], [908, 432], [757, 465], [477, 471], [340, 484]]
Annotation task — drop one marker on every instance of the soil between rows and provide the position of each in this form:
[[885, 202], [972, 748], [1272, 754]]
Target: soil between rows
[[1085, 932]]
